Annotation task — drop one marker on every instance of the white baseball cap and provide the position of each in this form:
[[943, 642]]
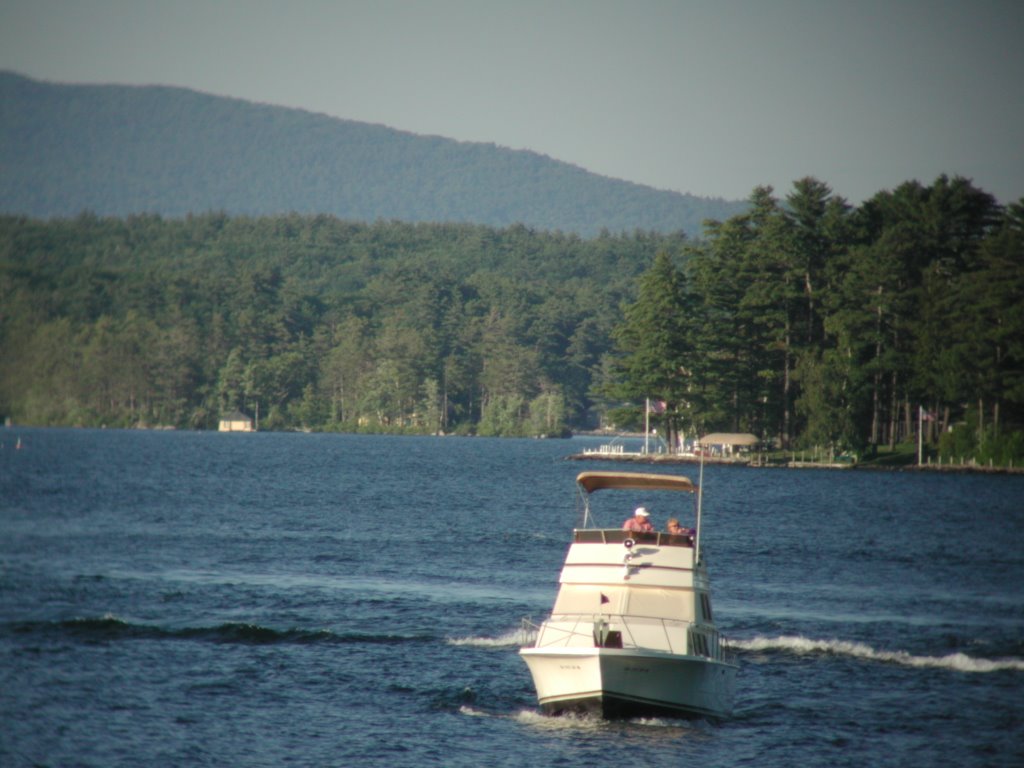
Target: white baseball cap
[[642, 512]]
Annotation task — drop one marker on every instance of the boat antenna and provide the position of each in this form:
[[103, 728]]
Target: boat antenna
[[700, 504]]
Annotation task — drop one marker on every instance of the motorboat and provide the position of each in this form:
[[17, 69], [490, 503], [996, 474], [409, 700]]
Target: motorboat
[[631, 632]]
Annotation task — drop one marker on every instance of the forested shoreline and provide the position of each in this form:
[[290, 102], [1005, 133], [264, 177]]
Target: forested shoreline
[[309, 322], [805, 320], [813, 323]]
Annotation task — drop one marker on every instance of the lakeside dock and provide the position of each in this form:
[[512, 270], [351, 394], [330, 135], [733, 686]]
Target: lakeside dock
[[654, 458], [756, 462]]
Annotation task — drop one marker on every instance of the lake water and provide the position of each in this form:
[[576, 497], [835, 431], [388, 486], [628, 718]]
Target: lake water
[[261, 599]]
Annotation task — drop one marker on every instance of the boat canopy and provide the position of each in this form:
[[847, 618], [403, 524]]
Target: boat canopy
[[598, 481]]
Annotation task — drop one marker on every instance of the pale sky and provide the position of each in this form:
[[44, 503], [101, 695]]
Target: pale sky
[[711, 98]]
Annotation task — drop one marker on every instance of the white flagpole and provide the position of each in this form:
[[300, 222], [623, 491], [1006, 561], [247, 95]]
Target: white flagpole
[[647, 422], [920, 433]]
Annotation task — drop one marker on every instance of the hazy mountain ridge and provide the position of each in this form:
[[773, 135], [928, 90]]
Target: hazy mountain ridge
[[119, 150]]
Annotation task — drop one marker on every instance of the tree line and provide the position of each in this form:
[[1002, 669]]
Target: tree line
[[307, 322], [805, 320], [810, 322]]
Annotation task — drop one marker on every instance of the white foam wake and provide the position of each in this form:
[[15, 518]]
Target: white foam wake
[[960, 662], [513, 638], [567, 722]]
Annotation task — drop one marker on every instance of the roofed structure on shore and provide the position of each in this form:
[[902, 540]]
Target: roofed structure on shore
[[734, 439], [235, 422]]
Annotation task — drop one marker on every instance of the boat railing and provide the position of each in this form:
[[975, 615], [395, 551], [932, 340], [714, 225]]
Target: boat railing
[[563, 636], [575, 630], [618, 535], [529, 631], [588, 630]]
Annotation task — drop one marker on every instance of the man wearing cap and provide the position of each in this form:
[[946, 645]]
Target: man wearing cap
[[639, 521]]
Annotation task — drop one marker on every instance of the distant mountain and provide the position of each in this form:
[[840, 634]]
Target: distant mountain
[[121, 150]]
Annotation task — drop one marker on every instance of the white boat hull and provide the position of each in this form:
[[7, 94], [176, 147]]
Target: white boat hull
[[631, 631], [630, 682]]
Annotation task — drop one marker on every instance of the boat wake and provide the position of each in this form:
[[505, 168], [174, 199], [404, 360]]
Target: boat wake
[[110, 628], [565, 722], [959, 662], [576, 723], [511, 639], [535, 719]]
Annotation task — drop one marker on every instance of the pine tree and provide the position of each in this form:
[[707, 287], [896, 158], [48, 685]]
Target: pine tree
[[657, 356]]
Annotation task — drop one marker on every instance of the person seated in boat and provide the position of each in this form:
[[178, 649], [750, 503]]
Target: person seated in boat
[[676, 529], [640, 521]]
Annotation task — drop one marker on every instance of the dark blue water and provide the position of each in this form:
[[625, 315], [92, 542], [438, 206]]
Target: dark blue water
[[270, 599]]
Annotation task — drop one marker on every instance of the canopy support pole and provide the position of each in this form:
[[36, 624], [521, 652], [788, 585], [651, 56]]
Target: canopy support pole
[[700, 504]]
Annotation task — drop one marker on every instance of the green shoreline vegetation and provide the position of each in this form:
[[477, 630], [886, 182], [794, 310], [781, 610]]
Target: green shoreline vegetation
[[806, 321]]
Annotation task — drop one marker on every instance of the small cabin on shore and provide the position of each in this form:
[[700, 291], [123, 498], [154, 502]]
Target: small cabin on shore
[[235, 422], [727, 443]]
